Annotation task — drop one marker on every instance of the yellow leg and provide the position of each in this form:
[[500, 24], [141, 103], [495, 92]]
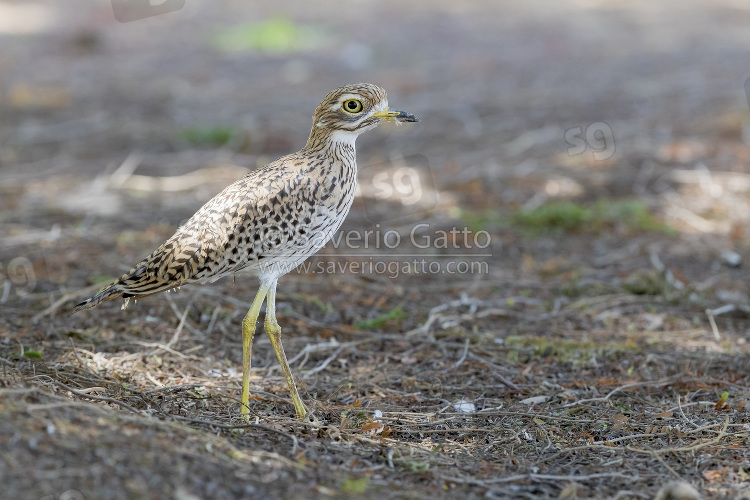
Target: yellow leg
[[248, 331], [273, 330]]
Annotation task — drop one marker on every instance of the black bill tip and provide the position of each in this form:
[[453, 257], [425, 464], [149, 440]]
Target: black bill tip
[[403, 116]]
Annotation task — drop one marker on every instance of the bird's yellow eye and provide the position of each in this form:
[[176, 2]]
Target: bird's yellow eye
[[352, 106]]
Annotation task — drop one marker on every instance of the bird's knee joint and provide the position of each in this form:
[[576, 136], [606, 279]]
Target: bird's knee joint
[[273, 329]]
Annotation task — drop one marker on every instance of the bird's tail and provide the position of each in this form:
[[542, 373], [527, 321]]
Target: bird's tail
[[111, 292], [164, 269]]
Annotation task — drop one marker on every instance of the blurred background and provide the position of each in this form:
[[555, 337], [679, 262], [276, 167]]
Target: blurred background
[[113, 133], [600, 148], [521, 104]]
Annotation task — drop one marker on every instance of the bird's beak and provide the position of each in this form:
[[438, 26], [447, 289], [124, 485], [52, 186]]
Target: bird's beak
[[394, 115]]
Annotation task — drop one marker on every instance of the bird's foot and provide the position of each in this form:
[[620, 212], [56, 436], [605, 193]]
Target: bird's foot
[[311, 419]]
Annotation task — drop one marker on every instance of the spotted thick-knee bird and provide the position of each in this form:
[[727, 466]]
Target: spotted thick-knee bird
[[268, 222]]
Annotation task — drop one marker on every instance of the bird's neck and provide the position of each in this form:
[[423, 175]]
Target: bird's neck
[[331, 141]]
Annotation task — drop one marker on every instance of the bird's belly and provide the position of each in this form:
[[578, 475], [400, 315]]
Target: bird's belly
[[279, 251], [300, 245]]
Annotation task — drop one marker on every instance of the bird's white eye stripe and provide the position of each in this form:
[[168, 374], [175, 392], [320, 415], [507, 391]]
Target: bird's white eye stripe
[[382, 105]]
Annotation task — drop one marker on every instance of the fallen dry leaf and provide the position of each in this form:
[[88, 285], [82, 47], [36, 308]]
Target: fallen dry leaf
[[714, 475]]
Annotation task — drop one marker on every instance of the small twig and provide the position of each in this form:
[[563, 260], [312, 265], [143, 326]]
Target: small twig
[[664, 270], [99, 398], [490, 308], [630, 436], [183, 387], [324, 364], [621, 388], [315, 347], [694, 447], [211, 323], [179, 314], [80, 362], [682, 412], [295, 443], [125, 170], [319, 347], [179, 327], [158, 346], [460, 360], [389, 457], [653, 453], [714, 328], [537, 477], [457, 429], [53, 406], [505, 381], [89, 390], [666, 465], [502, 378], [599, 475], [153, 380], [67, 297]]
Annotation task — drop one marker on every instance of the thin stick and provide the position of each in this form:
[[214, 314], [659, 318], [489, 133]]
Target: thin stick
[[295, 443], [179, 327], [322, 366], [461, 359], [622, 388], [538, 477], [98, 398], [714, 328]]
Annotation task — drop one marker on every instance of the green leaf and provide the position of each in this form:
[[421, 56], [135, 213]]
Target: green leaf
[[396, 314], [567, 217], [274, 36], [356, 485], [209, 136]]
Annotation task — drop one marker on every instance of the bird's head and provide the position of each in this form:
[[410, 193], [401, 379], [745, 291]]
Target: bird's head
[[350, 110]]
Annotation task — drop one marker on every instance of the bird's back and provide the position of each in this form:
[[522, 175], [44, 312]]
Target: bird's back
[[265, 224]]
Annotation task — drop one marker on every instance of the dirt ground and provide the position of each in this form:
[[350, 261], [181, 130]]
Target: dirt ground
[[548, 296]]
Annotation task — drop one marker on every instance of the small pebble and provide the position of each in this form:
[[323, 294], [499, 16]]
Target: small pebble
[[678, 490], [464, 407], [731, 259], [534, 400]]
